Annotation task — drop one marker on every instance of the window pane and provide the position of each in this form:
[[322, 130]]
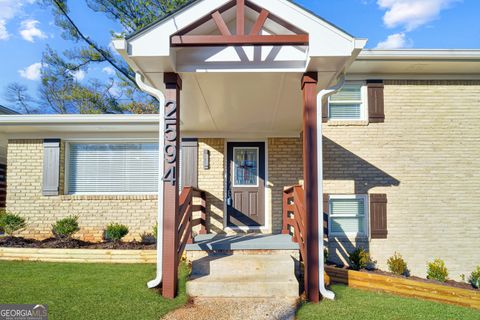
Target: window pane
[[347, 207], [344, 225], [350, 92], [344, 111], [245, 166], [113, 168]]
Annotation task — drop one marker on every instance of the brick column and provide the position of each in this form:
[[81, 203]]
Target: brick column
[[173, 85], [309, 88]]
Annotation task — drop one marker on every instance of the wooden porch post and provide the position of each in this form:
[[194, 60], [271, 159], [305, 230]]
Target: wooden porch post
[[309, 88], [173, 84]]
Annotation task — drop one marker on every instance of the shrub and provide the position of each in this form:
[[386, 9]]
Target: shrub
[[437, 270], [10, 222], [115, 232], [475, 278], [360, 259], [397, 265], [147, 238], [66, 227]]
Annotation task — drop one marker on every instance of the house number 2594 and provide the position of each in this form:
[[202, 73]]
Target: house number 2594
[[170, 151]]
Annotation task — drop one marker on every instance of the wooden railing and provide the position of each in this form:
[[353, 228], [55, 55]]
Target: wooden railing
[[187, 207], [294, 217]]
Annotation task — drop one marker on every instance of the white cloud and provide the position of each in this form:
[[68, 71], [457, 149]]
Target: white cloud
[[32, 72], [394, 41], [4, 35], [8, 10], [79, 75], [109, 70], [29, 30], [412, 14]]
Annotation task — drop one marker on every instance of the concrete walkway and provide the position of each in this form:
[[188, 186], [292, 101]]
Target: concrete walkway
[[234, 309]]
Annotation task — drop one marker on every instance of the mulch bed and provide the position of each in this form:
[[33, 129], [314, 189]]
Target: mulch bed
[[53, 243], [449, 283]]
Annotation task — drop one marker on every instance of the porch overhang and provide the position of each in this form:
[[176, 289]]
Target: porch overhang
[[231, 88]]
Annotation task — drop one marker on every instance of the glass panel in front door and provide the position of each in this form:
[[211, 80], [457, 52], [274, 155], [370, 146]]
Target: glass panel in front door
[[245, 171]]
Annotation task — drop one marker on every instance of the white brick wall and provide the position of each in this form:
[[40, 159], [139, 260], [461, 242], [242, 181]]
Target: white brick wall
[[426, 158], [24, 196]]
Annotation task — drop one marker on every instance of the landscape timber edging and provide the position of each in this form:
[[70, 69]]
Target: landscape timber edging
[[405, 287], [78, 255]]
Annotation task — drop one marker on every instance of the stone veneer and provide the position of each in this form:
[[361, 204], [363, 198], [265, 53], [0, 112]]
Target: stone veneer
[[24, 196]]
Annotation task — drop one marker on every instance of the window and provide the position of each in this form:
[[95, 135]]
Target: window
[[104, 168], [348, 103], [348, 215], [245, 167]]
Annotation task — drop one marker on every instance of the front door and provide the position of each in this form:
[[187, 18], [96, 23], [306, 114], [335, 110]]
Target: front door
[[245, 184]]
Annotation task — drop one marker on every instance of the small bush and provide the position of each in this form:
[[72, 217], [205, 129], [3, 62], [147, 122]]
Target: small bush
[[10, 222], [66, 227], [397, 265], [147, 238], [437, 270], [360, 259], [115, 232], [475, 278]]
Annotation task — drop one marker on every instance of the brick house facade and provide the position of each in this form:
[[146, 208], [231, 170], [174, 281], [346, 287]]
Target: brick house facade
[[429, 173]]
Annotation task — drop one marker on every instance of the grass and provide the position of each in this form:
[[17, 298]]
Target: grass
[[352, 304], [88, 291]]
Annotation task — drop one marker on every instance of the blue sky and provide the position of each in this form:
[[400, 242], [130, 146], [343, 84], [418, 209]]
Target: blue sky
[[26, 28]]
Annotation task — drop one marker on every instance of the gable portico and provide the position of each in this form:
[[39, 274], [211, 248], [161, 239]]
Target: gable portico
[[243, 70]]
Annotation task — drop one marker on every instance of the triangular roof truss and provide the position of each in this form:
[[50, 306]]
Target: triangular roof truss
[[241, 38]]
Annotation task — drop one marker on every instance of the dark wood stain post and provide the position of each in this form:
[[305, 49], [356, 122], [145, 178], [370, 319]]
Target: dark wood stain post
[[309, 88], [173, 85]]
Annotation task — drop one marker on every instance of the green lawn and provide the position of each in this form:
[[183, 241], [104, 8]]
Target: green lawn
[[87, 291], [353, 304], [107, 291]]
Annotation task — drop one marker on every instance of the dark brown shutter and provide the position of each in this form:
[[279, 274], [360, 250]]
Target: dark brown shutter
[[378, 216], [326, 209], [189, 163], [376, 110]]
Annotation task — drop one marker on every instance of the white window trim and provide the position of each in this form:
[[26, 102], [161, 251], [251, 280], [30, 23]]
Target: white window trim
[[100, 141], [235, 171], [365, 221], [363, 103]]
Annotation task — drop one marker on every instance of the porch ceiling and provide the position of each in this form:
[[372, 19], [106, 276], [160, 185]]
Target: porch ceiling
[[239, 104]]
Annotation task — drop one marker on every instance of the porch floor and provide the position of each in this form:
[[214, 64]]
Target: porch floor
[[214, 242]]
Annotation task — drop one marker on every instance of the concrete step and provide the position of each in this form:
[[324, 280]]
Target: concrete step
[[245, 276], [219, 265]]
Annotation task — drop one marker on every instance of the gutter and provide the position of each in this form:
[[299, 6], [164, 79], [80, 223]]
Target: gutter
[[421, 54], [321, 260], [161, 145], [77, 119]]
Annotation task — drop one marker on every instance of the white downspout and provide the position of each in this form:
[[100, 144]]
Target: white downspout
[[321, 263], [161, 145]]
